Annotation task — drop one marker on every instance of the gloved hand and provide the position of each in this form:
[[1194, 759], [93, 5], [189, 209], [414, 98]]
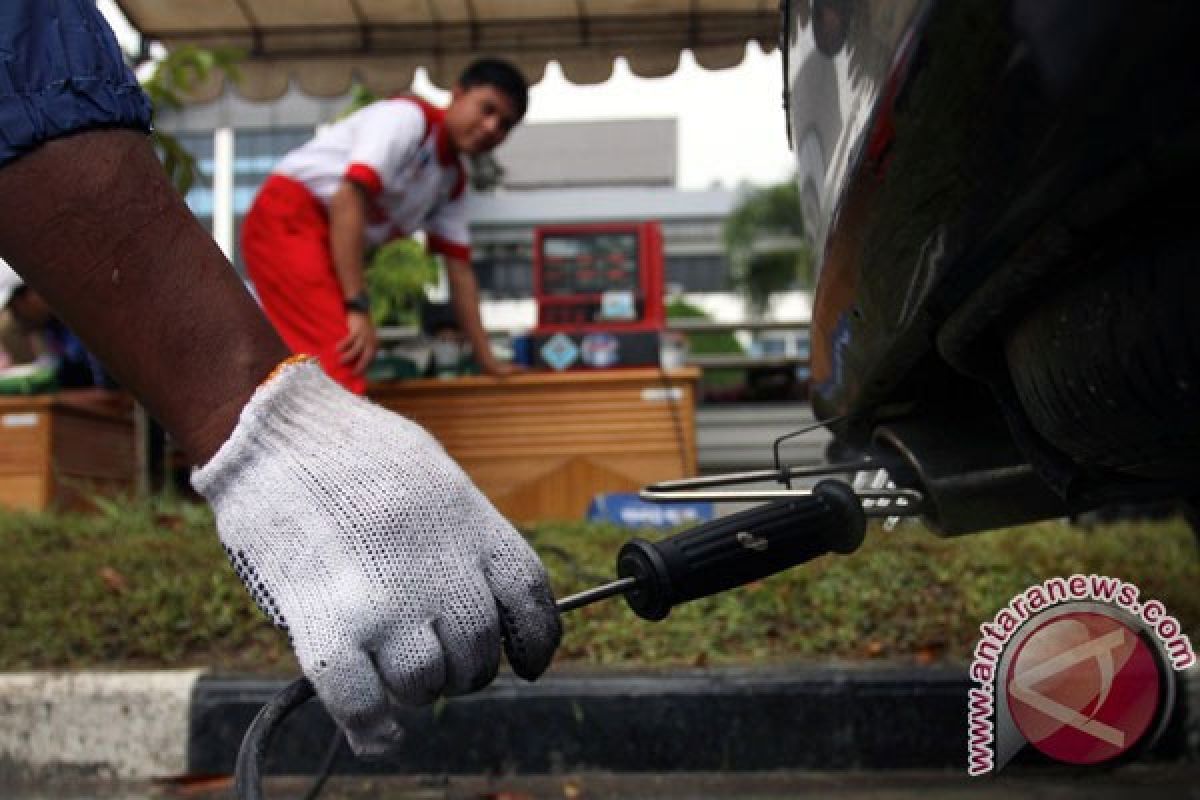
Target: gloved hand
[[392, 573]]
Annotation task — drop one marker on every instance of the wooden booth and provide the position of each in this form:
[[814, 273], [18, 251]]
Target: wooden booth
[[542, 444], [55, 449]]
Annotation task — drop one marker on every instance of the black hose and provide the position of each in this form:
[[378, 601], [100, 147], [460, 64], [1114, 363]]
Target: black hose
[[257, 741], [326, 768]]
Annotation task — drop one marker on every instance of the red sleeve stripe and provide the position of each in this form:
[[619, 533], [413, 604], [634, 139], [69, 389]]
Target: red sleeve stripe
[[438, 244], [365, 177]]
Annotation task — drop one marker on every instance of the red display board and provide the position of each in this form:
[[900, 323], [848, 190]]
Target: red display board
[[598, 278]]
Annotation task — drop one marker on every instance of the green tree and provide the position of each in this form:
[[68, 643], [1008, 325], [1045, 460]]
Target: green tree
[[173, 78], [360, 96], [764, 242], [397, 274]]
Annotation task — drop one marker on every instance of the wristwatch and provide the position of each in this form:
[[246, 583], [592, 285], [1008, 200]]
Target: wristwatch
[[360, 303]]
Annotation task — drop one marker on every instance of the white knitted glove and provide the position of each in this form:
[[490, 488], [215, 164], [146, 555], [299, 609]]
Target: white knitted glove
[[392, 573]]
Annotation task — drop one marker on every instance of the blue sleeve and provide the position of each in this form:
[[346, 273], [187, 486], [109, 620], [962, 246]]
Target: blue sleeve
[[61, 72]]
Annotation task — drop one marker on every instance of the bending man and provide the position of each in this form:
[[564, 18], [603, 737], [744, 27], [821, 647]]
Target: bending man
[[388, 170]]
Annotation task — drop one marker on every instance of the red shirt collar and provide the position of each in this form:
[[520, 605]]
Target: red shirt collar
[[435, 120]]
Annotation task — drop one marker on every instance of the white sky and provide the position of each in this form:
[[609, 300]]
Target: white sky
[[730, 122]]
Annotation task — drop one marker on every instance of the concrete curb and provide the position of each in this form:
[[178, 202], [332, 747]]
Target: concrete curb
[[728, 720], [134, 726], [113, 725], [700, 720]]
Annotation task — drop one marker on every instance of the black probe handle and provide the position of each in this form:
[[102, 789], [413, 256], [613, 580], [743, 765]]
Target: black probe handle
[[741, 548]]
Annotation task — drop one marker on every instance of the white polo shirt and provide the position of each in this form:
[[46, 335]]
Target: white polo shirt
[[398, 150]]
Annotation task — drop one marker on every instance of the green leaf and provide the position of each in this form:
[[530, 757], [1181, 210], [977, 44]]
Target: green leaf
[[360, 96], [397, 277], [182, 71]]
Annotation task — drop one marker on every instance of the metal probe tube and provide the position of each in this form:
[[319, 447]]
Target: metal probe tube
[[589, 596]]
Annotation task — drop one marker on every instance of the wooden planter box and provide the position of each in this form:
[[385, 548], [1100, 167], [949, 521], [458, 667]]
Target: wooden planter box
[[56, 450], [541, 445]]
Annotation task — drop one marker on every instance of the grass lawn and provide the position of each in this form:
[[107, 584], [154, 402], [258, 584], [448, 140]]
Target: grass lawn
[[147, 585]]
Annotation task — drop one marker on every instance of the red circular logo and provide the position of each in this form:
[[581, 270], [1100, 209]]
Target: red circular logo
[[1083, 687]]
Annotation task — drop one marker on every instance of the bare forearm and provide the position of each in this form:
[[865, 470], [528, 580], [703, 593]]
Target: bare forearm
[[92, 224], [464, 295], [347, 232]]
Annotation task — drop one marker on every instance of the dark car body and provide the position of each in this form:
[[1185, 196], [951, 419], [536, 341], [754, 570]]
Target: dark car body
[[1001, 196]]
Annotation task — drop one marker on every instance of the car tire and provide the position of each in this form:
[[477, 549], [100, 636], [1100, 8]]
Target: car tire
[[1108, 368]]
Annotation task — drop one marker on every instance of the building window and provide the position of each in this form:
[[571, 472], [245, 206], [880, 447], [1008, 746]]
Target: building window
[[504, 270], [699, 273], [256, 152]]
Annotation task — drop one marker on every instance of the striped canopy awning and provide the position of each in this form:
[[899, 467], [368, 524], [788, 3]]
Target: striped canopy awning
[[326, 45]]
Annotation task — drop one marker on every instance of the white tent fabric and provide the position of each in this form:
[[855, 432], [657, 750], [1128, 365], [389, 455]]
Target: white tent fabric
[[326, 45]]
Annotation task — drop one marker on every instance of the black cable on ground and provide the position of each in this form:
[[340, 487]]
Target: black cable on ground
[[252, 755], [326, 768]]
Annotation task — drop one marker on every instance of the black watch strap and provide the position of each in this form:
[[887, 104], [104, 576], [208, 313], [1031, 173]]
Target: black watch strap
[[360, 302]]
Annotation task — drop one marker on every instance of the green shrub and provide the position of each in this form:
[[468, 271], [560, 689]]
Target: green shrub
[[148, 586]]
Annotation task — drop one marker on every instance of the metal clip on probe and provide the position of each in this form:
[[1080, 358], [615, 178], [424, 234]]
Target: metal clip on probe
[[656, 576]]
